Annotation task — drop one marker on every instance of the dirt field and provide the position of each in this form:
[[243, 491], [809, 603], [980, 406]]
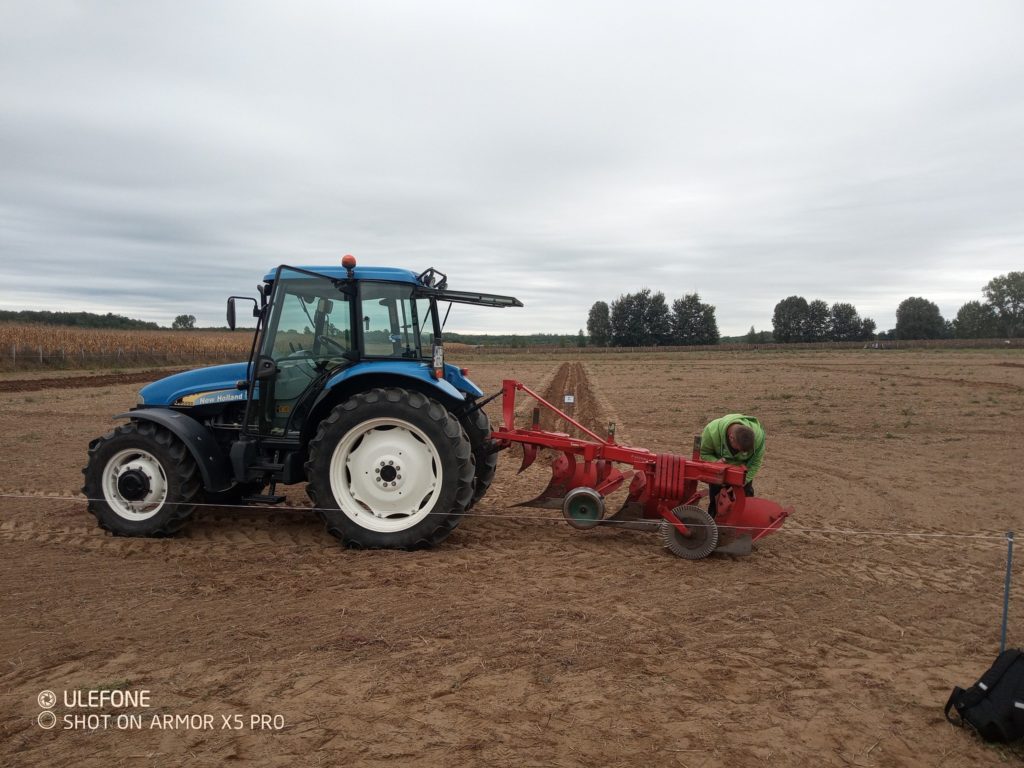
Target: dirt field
[[521, 641]]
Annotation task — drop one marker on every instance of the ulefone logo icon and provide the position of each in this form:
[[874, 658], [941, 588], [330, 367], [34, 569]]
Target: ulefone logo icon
[[47, 700]]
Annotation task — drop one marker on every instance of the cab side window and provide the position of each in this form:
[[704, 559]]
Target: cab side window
[[390, 321]]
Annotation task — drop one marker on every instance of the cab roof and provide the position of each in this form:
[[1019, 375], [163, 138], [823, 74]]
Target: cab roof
[[338, 272]]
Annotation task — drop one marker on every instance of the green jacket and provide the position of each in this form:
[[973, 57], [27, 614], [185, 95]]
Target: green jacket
[[714, 446]]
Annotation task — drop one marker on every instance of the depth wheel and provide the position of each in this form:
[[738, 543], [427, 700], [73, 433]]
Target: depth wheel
[[390, 468], [141, 481], [583, 508], [703, 536]]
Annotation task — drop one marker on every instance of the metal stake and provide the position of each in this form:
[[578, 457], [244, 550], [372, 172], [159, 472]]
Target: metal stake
[[1006, 589]]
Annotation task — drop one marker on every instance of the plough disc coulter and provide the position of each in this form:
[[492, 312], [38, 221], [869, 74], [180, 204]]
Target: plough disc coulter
[[664, 488]]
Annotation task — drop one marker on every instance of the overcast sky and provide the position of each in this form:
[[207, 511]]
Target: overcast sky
[[159, 156]]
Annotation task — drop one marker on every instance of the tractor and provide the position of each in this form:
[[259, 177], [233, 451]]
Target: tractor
[[346, 389]]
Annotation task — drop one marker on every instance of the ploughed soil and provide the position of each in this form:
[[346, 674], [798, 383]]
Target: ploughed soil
[[521, 641], [70, 381]]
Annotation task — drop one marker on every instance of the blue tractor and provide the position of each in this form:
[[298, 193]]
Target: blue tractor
[[346, 389]]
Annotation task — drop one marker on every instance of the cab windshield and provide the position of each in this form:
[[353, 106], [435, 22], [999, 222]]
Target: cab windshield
[[311, 321]]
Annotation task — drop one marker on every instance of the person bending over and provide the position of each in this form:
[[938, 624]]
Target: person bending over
[[734, 439]]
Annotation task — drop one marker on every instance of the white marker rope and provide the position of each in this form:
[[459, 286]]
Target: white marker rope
[[790, 529]]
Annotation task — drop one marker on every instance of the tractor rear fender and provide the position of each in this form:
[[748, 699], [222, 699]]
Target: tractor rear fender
[[412, 377], [213, 465], [454, 384]]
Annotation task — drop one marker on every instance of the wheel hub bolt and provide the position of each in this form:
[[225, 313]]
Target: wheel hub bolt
[[387, 474]]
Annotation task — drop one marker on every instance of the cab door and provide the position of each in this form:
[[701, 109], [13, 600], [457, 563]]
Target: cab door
[[308, 335]]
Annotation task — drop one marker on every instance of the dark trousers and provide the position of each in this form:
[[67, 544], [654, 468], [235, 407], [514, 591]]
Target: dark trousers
[[713, 496]]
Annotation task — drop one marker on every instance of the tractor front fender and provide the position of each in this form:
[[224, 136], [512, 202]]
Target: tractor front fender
[[214, 467]]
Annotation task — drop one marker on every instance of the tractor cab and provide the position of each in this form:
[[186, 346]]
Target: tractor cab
[[319, 326]]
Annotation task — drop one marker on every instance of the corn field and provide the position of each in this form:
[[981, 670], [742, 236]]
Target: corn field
[[26, 347]]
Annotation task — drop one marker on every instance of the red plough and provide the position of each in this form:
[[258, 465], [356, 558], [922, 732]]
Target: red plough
[[663, 487]]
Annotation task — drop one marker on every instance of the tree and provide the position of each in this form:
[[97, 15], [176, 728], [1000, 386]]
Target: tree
[[693, 322], [845, 324], [1006, 296], [640, 319], [657, 320], [184, 323], [751, 336], [867, 329], [819, 321], [626, 321], [789, 321], [598, 324], [918, 318], [581, 339], [976, 321]]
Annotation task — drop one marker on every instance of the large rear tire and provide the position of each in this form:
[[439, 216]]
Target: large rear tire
[[141, 481], [390, 468], [478, 429]]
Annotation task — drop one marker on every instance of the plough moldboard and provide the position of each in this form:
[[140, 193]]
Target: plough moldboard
[[663, 487]]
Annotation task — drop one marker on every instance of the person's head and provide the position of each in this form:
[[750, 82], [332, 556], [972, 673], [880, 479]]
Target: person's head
[[740, 437]]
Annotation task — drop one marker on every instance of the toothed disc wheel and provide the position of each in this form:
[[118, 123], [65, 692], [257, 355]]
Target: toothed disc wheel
[[702, 538], [390, 468]]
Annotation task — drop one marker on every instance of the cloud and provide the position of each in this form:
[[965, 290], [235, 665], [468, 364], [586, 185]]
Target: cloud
[[161, 156]]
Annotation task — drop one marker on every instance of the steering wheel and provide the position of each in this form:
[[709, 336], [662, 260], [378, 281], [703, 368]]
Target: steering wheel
[[340, 348]]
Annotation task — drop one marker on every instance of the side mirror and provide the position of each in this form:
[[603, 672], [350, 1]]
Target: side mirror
[[231, 309]]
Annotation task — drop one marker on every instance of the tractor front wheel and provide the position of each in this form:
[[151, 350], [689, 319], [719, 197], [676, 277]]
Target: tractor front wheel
[[141, 481], [390, 468]]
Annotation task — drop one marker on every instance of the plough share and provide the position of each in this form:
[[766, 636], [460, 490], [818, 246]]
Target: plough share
[[663, 487]]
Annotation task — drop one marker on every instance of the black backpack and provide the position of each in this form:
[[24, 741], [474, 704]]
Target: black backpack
[[994, 706]]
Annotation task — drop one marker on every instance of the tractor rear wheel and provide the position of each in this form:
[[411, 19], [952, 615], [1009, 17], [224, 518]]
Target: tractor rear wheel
[[390, 468], [141, 481], [478, 429]]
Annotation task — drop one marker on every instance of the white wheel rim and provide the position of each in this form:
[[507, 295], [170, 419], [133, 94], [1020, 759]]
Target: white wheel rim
[[142, 461], [386, 475]]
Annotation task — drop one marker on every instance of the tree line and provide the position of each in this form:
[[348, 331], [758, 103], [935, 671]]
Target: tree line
[[76, 319], [796, 319], [1000, 315], [645, 319]]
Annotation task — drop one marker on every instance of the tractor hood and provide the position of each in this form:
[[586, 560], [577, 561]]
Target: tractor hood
[[203, 386]]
